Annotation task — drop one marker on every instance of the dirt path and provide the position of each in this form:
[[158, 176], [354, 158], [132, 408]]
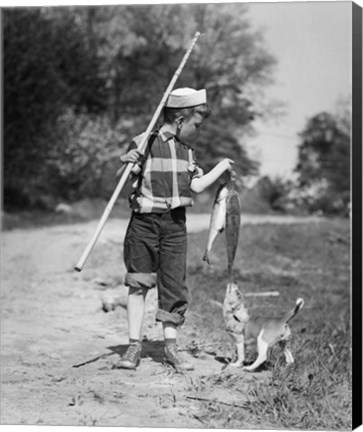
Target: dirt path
[[58, 346]]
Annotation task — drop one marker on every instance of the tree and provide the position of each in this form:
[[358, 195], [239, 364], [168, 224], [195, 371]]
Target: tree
[[143, 46], [47, 67], [110, 66], [324, 158]]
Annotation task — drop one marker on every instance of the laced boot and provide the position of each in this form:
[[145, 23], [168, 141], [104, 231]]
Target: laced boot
[[176, 360], [131, 358]]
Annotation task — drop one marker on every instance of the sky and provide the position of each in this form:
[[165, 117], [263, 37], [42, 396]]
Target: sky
[[312, 44]]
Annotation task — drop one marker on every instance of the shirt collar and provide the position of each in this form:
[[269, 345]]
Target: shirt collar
[[165, 133]]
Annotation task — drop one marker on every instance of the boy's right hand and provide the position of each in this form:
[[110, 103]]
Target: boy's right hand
[[133, 156]]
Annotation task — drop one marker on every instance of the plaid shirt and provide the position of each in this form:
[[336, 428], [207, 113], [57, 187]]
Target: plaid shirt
[[167, 170]]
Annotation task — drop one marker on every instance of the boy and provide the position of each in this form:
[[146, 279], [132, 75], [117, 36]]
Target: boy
[[155, 244]]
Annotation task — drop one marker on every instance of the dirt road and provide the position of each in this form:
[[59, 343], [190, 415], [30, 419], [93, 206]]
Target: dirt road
[[58, 346]]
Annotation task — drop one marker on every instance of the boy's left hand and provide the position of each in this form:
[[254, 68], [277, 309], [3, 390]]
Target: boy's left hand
[[226, 164]]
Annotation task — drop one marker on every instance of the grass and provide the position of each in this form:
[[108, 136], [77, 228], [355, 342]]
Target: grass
[[299, 261]]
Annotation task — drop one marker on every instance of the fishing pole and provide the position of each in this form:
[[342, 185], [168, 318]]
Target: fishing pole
[[127, 170]]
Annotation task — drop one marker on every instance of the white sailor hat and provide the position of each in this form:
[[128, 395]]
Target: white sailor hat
[[186, 98]]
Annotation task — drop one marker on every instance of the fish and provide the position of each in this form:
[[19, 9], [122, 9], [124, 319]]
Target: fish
[[226, 216], [233, 224], [217, 220]]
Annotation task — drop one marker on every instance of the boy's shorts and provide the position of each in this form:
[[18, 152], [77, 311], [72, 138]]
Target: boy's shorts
[[155, 250]]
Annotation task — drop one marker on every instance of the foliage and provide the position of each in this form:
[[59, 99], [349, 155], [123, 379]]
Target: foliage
[[215, 143], [274, 191], [79, 160], [324, 161], [47, 67], [229, 61], [110, 65]]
